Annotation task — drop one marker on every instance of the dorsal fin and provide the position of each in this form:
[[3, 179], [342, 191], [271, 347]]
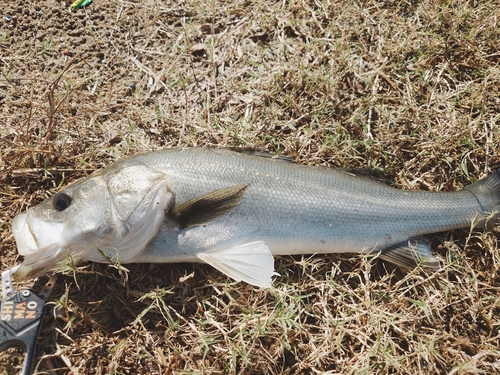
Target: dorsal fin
[[204, 208], [261, 153], [369, 173]]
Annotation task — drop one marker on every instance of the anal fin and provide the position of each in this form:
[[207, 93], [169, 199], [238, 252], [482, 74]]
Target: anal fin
[[415, 252], [251, 262]]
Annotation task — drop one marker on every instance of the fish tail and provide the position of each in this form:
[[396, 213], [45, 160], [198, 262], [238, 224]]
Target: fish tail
[[487, 193]]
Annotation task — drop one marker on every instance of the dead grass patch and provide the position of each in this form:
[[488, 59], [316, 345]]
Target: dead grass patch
[[409, 88]]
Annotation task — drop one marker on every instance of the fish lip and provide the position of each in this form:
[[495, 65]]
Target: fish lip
[[27, 270], [23, 272], [25, 241], [39, 242]]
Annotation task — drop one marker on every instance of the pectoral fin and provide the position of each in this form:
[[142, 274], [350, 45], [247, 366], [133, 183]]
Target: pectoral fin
[[410, 254], [204, 208], [251, 262]]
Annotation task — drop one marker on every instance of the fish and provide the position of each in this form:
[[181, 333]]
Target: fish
[[235, 211]]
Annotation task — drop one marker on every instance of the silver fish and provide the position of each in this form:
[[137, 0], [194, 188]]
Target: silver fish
[[235, 211]]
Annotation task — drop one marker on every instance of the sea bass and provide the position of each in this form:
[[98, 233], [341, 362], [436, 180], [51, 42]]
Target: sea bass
[[235, 211]]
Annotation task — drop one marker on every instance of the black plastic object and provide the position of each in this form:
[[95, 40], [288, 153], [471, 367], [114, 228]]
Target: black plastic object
[[20, 323]]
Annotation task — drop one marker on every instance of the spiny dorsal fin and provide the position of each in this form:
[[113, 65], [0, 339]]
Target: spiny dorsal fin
[[368, 173], [411, 253], [262, 154], [204, 208]]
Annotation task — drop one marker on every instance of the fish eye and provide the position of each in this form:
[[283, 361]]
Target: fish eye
[[61, 201]]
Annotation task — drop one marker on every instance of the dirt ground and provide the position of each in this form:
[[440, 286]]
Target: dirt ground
[[411, 89]]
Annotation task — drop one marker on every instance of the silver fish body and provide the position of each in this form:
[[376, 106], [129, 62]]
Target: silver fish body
[[235, 211]]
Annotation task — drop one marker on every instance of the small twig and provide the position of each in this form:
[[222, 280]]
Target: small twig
[[35, 171], [53, 107]]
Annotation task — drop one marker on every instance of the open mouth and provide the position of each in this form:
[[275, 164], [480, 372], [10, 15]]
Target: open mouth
[[35, 235], [40, 244]]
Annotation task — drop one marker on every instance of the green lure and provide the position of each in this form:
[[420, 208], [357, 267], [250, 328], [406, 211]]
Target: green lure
[[79, 4]]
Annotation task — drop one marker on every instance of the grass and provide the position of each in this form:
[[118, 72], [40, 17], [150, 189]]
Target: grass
[[408, 88]]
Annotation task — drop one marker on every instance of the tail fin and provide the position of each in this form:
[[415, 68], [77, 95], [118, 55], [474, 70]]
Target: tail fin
[[487, 193]]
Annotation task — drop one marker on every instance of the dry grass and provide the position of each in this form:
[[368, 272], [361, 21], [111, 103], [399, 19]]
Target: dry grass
[[410, 88]]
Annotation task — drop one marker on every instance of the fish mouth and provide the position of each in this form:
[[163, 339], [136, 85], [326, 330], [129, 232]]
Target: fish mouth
[[39, 242]]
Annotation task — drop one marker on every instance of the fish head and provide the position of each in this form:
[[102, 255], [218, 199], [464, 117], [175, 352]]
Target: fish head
[[112, 214]]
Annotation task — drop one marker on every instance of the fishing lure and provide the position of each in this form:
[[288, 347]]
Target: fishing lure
[[79, 4]]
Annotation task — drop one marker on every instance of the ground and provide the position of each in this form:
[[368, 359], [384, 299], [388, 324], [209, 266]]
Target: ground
[[410, 89]]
